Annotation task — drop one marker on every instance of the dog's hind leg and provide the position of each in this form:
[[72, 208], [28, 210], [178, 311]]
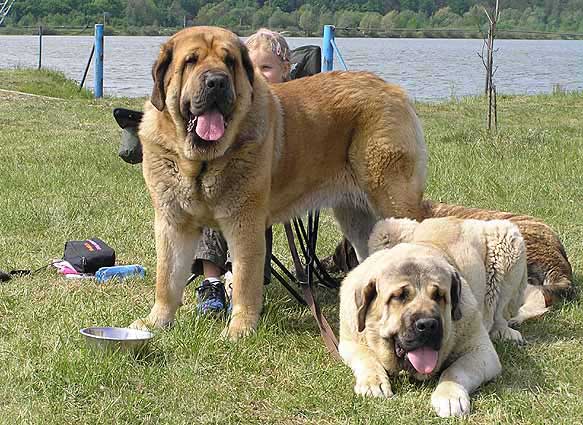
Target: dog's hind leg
[[534, 305], [391, 171], [356, 223], [399, 198], [175, 248]]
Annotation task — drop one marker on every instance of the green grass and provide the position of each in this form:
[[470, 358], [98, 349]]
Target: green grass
[[60, 179]]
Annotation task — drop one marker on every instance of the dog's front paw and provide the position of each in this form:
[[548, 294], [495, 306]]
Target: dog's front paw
[[450, 399], [240, 326], [141, 325], [373, 385], [154, 320]]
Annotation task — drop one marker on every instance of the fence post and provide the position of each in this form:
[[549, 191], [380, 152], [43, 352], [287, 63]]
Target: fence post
[[98, 81], [40, 46], [327, 49]]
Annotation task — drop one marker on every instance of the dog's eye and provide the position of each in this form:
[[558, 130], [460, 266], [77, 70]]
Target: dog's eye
[[191, 59], [437, 296], [230, 61], [400, 296]]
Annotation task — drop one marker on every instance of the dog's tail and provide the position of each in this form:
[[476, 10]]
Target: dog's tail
[[561, 289]]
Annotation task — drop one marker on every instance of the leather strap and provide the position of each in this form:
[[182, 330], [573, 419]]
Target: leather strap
[[326, 332]]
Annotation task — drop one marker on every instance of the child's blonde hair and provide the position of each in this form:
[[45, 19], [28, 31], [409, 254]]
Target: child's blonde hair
[[272, 40]]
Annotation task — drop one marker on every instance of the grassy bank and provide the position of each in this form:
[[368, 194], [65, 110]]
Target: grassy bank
[[44, 83], [60, 179]]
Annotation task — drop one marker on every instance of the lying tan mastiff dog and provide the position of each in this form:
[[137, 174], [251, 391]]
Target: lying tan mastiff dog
[[490, 255], [429, 306], [224, 149]]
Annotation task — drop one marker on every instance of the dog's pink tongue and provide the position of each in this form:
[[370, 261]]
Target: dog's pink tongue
[[423, 359], [210, 126]]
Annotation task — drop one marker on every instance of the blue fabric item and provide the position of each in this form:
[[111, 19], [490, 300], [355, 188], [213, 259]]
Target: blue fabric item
[[119, 272]]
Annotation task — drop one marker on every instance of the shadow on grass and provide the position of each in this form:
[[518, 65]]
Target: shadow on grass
[[151, 356], [554, 327], [292, 317]]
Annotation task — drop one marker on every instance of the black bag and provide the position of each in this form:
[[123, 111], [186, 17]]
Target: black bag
[[131, 148], [89, 255]]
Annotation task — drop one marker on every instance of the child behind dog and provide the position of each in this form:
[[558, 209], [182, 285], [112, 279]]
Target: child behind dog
[[270, 54]]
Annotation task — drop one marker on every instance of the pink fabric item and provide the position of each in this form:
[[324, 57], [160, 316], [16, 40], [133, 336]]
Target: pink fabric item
[[64, 267]]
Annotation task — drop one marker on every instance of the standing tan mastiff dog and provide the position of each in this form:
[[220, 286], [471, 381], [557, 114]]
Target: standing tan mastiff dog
[[224, 149]]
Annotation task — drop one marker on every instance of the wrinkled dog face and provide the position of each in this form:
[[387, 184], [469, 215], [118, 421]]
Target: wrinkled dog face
[[204, 77], [407, 311]]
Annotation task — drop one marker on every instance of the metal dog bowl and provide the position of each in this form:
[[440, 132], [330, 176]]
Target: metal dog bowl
[[123, 339]]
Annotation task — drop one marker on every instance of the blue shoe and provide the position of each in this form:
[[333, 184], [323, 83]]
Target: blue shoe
[[211, 296]]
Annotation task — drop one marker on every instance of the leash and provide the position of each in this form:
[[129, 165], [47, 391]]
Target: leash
[[326, 332], [304, 277], [6, 276]]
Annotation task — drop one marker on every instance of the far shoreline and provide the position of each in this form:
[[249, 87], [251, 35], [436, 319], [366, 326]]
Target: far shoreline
[[434, 33]]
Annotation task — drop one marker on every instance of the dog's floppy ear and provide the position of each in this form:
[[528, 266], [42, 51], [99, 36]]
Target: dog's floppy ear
[[247, 64], [158, 98], [456, 293], [363, 298]]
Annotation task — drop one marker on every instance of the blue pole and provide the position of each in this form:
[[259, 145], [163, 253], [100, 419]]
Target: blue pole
[[98, 83], [327, 49]]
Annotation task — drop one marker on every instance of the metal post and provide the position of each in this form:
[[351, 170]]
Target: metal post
[[40, 46], [327, 49], [98, 81]]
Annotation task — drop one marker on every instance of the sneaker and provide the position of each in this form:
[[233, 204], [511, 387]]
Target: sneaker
[[211, 296]]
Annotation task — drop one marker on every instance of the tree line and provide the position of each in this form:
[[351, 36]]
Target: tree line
[[299, 16]]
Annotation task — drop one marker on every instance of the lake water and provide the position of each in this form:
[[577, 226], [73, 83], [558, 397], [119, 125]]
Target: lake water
[[430, 69]]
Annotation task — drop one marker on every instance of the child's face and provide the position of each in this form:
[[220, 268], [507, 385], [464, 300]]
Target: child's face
[[270, 65]]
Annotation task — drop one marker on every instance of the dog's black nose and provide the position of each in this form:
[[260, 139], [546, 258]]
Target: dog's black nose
[[426, 325], [216, 81]]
